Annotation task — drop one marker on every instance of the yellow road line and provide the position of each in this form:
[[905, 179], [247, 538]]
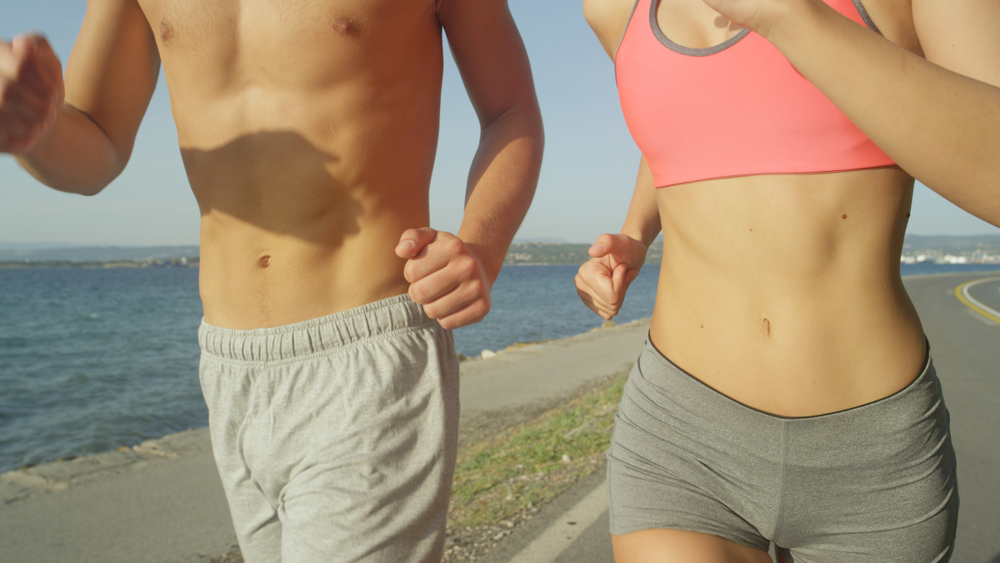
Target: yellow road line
[[962, 293]]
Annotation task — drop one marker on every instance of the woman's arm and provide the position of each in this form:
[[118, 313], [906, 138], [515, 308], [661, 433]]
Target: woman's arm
[[938, 118], [616, 259], [608, 19]]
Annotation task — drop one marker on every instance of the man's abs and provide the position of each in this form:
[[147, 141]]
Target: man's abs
[[292, 229], [251, 277], [308, 132], [783, 292]]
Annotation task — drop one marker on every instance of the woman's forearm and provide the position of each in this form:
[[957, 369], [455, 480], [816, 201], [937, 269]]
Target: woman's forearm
[[643, 220], [942, 127]]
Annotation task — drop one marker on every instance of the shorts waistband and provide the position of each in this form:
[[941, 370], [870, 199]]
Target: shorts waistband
[[322, 334], [918, 398]]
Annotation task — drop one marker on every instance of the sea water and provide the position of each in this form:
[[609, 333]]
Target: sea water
[[93, 359]]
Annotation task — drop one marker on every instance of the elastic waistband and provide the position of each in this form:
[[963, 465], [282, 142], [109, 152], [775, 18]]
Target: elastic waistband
[[323, 334], [921, 396]]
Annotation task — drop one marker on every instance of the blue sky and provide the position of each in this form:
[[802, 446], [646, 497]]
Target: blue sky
[[587, 176]]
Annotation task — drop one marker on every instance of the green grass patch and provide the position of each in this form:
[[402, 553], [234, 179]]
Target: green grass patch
[[532, 463]]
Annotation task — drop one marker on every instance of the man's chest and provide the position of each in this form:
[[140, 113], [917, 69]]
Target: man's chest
[[277, 24], [291, 42]]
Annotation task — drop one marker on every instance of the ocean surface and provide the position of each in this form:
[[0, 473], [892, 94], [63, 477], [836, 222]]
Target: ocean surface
[[92, 359]]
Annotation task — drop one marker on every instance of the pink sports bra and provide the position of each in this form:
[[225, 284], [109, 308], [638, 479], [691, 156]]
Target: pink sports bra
[[736, 109]]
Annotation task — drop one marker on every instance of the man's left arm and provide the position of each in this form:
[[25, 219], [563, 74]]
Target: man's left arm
[[452, 275], [937, 117]]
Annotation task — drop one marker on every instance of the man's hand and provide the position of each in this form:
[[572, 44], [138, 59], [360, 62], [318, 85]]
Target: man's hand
[[31, 92], [603, 280], [445, 276]]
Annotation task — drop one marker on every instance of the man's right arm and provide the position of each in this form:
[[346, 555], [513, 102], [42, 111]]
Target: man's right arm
[[79, 142]]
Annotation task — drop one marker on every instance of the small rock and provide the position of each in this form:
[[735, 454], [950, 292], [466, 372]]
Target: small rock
[[487, 354], [566, 458], [607, 324]]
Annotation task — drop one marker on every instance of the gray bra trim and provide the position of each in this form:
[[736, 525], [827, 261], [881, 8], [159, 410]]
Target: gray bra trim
[[695, 52], [864, 16], [690, 51]]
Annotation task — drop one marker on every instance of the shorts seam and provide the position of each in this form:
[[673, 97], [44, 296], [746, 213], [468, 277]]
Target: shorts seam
[[779, 507]]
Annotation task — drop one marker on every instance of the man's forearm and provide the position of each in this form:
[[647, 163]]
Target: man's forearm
[[76, 156], [502, 184]]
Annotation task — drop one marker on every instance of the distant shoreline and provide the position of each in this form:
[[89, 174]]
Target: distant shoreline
[[160, 261], [983, 249], [73, 265], [947, 268]]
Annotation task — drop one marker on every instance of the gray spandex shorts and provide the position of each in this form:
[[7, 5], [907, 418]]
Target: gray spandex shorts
[[872, 483], [335, 438]]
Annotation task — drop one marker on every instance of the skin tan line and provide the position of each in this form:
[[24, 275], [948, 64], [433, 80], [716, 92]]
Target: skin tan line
[[783, 292]]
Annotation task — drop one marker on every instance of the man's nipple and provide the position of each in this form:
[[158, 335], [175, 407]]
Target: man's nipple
[[165, 31], [346, 26], [264, 261]]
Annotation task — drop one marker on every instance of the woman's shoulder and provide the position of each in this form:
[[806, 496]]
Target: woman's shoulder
[[608, 19]]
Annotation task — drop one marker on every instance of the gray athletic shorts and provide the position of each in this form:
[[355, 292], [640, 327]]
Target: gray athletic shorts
[[872, 483], [336, 437]]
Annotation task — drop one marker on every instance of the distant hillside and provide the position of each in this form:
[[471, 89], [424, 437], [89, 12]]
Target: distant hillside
[[934, 246], [562, 253], [28, 253], [549, 240], [521, 252], [954, 244]]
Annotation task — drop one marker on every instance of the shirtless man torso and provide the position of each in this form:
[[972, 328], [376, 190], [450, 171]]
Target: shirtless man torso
[[783, 292], [308, 132]]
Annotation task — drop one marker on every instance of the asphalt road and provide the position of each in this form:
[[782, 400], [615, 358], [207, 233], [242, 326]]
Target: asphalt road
[[965, 345]]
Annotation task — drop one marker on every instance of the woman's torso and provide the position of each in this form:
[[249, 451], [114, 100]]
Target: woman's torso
[[783, 291]]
